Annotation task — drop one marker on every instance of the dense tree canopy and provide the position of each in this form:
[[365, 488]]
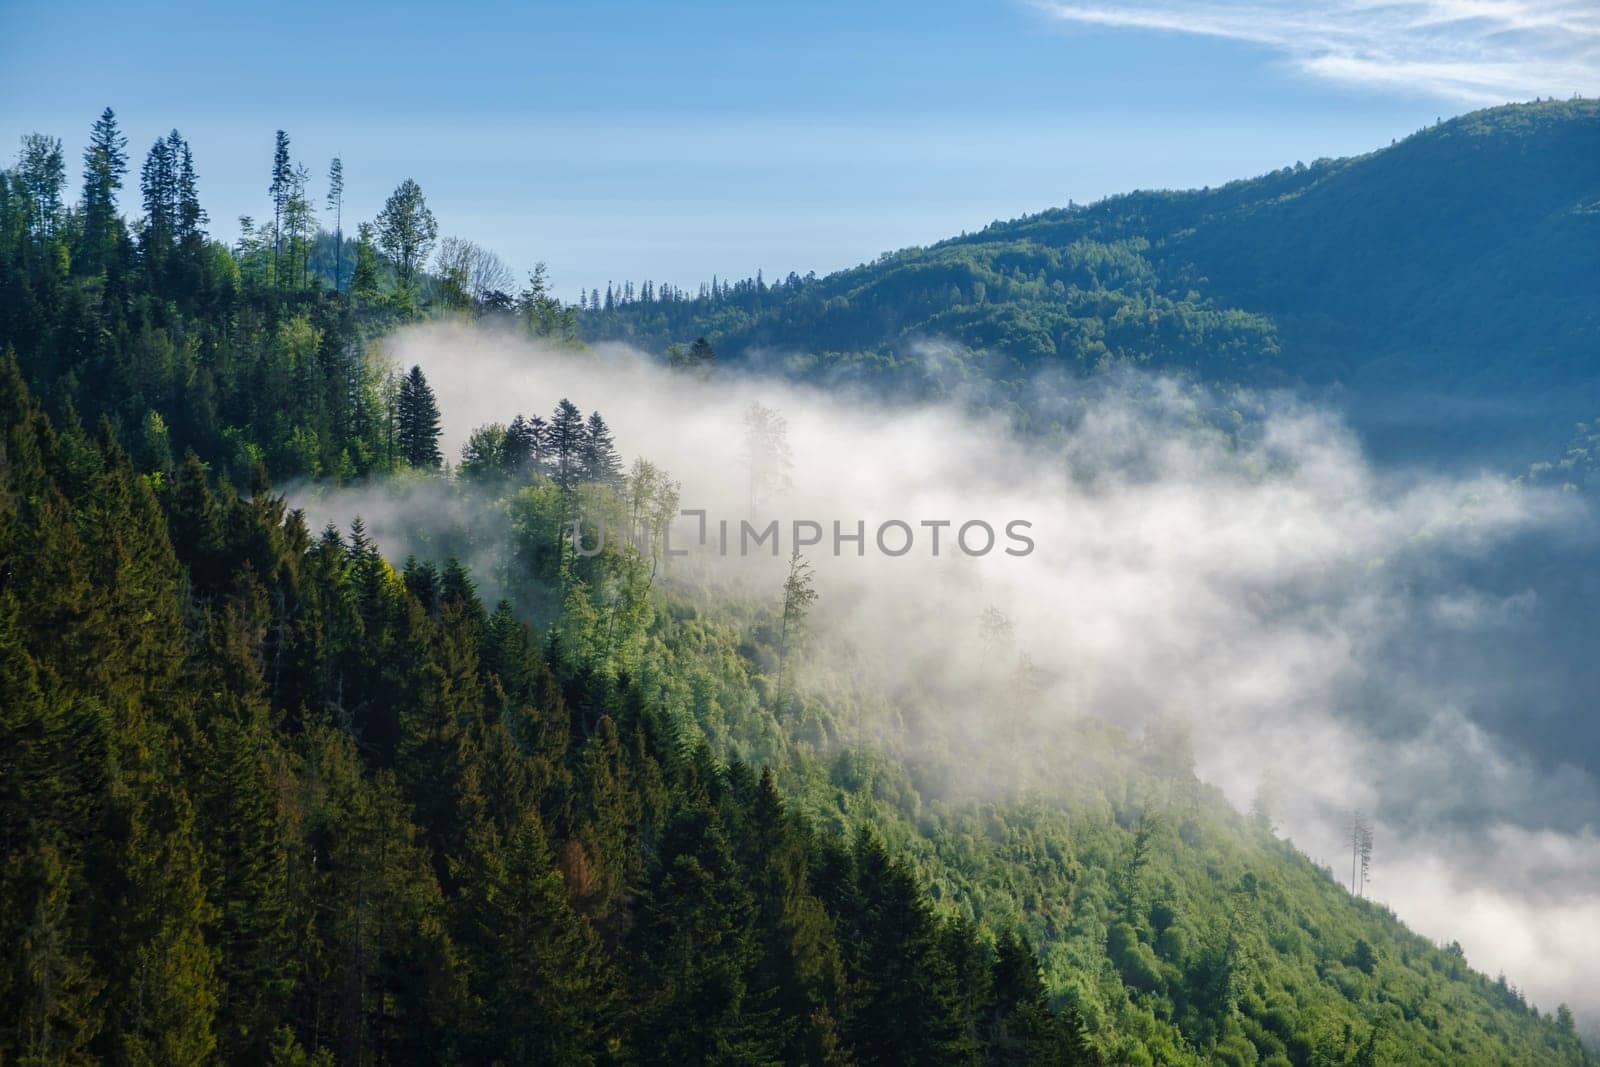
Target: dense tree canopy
[[268, 797]]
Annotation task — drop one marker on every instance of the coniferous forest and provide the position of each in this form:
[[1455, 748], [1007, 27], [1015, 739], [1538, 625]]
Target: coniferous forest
[[270, 794]]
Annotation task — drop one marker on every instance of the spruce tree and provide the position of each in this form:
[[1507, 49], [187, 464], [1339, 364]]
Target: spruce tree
[[906, 1006], [385, 977], [105, 161], [525, 445], [799, 972], [1019, 1027], [566, 438], [158, 181], [246, 834], [48, 984], [364, 278], [195, 523], [544, 988], [281, 188], [698, 949], [41, 168], [440, 736], [417, 422], [599, 460], [336, 205], [165, 1000], [191, 216]]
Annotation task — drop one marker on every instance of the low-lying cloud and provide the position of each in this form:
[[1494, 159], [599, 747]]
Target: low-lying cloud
[[1315, 621]]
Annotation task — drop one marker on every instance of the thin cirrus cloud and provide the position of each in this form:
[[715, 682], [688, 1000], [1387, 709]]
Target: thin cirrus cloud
[[1476, 51]]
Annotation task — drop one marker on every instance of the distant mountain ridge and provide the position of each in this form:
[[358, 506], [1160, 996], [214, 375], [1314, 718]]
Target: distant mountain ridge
[[1456, 271]]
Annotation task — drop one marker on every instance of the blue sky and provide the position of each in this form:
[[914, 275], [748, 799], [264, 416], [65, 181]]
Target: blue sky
[[674, 141]]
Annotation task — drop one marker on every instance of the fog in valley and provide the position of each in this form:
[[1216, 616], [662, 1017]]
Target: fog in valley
[[1331, 634]]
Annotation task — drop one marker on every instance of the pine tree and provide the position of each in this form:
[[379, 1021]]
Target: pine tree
[[598, 458], [532, 709], [246, 835], [697, 944], [167, 989], [385, 981], [105, 161], [524, 445], [544, 988], [800, 972], [158, 180], [364, 279], [42, 170], [280, 189], [299, 220], [417, 422], [566, 439], [55, 749], [48, 984], [130, 561], [195, 523], [905, 1007], [1360, 836], [438, 757], [599, 865], [191, 216], [336, 205]]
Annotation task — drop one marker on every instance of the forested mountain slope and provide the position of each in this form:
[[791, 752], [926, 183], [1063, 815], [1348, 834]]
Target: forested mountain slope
[[268, 797], [1453, 272]]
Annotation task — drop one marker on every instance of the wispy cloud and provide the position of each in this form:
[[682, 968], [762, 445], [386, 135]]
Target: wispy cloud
[[1480, 51]]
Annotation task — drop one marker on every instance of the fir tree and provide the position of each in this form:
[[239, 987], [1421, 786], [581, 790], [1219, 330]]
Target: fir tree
[[105, 161], [906, 1007], [167, 993], [524, 445], [417, 422], [50, 986], [697, 942], [246, 834], [364, 279], [336, 205], [41, 168], [566, 438], [191, 218], [158, 180], [544, 988], [281, 188], [599, 460]]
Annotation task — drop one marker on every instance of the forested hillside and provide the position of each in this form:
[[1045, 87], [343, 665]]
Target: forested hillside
[[271, 797], [1447, 278]]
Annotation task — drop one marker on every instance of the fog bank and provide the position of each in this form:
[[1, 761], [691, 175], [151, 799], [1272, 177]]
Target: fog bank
[[1349, 632]]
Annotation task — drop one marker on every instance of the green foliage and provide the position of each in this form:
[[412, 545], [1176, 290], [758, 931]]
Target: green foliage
[[417, 422], [1340, 272], [266, 799], [406, 231], [335, 812]]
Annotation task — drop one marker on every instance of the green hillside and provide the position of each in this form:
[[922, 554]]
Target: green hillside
[[269, 797], [1460, 263]]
